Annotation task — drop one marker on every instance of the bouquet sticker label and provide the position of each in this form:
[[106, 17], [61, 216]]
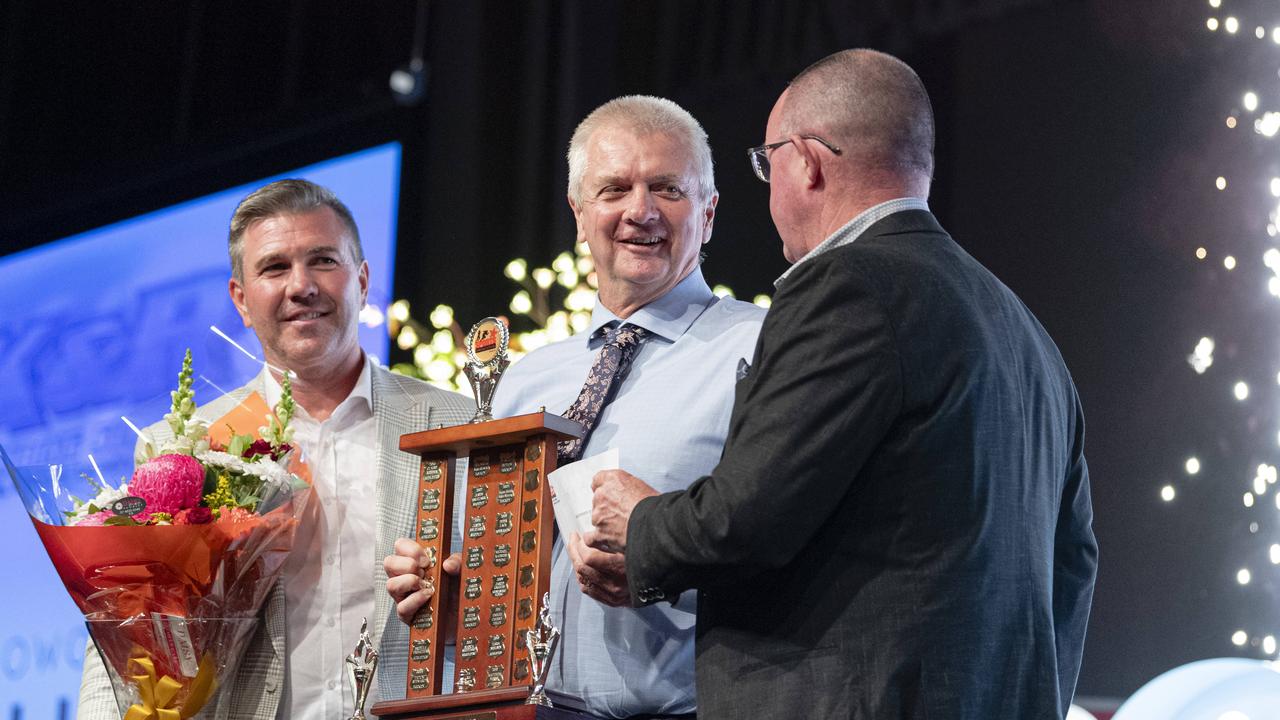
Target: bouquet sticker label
[[128, 506]]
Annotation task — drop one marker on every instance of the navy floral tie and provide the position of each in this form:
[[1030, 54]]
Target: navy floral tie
[[613, 360]]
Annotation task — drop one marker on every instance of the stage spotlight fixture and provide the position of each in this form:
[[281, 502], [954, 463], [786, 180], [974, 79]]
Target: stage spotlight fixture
[[409, 82]]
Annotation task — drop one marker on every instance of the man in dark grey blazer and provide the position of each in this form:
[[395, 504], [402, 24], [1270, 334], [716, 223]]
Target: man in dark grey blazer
[[900, 524]]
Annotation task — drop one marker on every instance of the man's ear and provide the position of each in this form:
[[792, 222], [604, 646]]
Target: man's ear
[[236, 290], [577, 218], [812, 162], [709, 217]]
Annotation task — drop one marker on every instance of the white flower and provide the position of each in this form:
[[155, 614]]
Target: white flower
[[101, 501], [265, 468]]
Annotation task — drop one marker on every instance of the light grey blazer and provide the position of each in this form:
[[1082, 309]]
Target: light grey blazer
[[400, 405]]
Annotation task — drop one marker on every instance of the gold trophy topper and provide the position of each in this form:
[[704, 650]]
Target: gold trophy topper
[[486, 361]]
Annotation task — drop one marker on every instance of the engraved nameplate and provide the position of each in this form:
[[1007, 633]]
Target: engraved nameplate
[[469, 648], [475, 527], [431, 471], [431, 499], [420, 650], [501, 555], [526, 576], [502, 525], [473, 588], [493, 676], [471, 617], [497, 645], [498, 615], [530, 511], [506, 493], [480, 465], [508, 462], [430, 529], [419, 679], [533, 452], [531, 480], [528, 541], [479, 496], [466, 679], [475, 557], [424, 619], [500, 585], [525, 610]]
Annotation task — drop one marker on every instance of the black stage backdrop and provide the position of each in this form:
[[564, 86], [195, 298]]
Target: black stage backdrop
[[1072, 160]]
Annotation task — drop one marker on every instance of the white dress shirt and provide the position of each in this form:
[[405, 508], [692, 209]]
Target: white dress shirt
[[327, 578]]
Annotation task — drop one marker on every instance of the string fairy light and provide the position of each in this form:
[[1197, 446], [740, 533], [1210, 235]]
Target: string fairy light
[[1258, 108]]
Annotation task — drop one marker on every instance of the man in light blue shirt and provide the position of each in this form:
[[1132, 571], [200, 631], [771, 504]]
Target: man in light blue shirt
[[643, 195]]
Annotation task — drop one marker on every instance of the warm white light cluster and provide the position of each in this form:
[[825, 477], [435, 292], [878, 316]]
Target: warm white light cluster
[[1201, 358], [1257, 107]]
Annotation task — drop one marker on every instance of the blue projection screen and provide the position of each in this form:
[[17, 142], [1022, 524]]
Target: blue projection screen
[[95, 327]]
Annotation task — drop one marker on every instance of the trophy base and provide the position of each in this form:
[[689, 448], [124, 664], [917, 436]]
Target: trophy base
[[500, 704]]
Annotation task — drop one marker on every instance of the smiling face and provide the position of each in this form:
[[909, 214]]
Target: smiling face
[[641, 216], [302, 292]]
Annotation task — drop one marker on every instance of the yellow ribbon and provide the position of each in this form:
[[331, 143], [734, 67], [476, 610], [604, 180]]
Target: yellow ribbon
[[157, 694]]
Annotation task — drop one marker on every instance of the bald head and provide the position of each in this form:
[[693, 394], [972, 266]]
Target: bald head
[[870, 104]]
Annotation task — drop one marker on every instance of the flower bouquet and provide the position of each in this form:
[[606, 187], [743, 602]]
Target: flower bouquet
[[171, 567]]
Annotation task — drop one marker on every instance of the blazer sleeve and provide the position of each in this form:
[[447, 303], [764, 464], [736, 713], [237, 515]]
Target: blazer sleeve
[[97, 699], [824, 388], [1075, 567]]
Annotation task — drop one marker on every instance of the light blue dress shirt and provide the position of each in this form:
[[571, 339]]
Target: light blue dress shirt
[[668, 420]]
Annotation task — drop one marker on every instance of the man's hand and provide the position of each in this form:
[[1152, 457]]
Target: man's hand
[[614, 495], [601, 575], [406, 577]]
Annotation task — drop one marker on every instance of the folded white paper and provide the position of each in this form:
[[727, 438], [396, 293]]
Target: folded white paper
[[571, 486]]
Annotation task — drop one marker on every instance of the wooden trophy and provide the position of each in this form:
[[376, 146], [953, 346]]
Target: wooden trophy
[[505, 639]]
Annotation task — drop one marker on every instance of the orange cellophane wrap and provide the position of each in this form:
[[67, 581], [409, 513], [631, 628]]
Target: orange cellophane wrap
[[136, 584]]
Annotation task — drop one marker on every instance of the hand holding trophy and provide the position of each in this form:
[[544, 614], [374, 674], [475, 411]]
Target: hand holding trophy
[[504, 639]]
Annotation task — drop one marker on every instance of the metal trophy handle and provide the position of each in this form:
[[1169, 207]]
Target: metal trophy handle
[[361, 664], [487, 359], [541, 641]]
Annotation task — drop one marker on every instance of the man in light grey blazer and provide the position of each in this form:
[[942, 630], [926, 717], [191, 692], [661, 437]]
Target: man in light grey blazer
[[299, 279]]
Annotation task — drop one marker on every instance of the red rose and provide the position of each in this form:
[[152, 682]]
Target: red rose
[[259, 447]]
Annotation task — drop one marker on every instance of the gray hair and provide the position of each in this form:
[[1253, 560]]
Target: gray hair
[[643, 115], [285, 197], [872, 104]]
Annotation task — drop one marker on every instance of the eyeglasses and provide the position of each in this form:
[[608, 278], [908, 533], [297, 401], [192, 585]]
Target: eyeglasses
[[760, 155]]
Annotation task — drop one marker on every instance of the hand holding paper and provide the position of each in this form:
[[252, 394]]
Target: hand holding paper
[[571, 491]]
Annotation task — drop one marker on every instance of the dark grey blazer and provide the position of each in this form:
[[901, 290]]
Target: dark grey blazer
[[900, 524]]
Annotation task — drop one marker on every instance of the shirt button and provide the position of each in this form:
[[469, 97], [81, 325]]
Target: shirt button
[[331, 622], [329, 559], [333, 684]]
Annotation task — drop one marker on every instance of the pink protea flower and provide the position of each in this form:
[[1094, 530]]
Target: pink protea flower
[[94, 520], [169, 484]]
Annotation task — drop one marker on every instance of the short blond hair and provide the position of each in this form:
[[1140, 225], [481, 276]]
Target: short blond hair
[[643, 115]]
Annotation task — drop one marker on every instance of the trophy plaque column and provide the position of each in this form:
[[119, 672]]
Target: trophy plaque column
[[506, 528]]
